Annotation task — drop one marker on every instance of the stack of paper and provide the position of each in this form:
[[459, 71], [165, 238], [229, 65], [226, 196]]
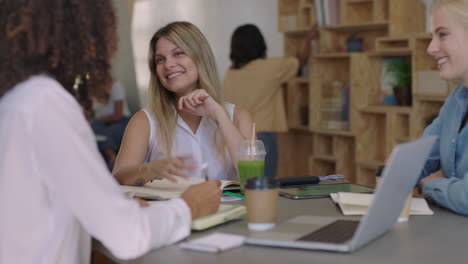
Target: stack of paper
[[358, 203]]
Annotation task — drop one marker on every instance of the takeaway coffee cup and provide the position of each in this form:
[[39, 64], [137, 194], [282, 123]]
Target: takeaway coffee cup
[[405, 212], [261, 198]]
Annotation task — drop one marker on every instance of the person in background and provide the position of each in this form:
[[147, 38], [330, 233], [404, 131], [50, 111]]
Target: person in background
[[111, 116], [445, 175], [187, 117], [49, 151], [254, 82]]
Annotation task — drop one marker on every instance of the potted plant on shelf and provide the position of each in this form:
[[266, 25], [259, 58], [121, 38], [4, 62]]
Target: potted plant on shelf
[[402, 81]]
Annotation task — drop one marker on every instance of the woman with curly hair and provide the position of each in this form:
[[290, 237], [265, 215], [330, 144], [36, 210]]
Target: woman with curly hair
[[50, 153], [187, 117]]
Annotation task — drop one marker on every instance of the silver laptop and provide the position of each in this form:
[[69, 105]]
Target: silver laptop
[[333, 234]]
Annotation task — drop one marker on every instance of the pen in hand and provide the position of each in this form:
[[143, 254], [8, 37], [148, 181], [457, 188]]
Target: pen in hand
[[204, 170]]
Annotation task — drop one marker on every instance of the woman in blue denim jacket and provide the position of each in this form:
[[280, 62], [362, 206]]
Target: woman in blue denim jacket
[[445, 175]]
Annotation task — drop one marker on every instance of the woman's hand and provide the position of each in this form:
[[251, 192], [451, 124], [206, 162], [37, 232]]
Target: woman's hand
[[199, 103], [436, 175], [313, 33], [141, 202], [169, 168]]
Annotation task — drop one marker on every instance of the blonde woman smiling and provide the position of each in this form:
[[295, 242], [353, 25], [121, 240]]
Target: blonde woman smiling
[[187, 123]]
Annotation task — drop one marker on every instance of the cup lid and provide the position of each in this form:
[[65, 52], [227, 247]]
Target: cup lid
[[261, 183], [251, 148]]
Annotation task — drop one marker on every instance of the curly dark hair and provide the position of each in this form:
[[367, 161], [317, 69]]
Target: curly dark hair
[[60, 38], [247, 44]]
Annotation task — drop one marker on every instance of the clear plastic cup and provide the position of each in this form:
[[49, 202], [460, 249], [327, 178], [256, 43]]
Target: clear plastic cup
[[251, 161]]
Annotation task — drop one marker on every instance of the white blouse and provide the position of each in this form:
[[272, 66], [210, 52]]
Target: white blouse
[[199, 144], [55, 189]]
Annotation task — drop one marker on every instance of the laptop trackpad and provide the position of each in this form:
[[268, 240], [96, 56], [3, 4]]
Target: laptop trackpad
[[294, 228]]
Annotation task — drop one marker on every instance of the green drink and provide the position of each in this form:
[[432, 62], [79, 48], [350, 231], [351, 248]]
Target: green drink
[[250, 160], [249, 169]]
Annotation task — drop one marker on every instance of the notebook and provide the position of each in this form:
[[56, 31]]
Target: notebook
[[225, 213], [165, 189], [214, 242], [358, 203], [333, 234]]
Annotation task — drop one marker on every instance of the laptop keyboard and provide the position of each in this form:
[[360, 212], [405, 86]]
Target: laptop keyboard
[[337, 232]]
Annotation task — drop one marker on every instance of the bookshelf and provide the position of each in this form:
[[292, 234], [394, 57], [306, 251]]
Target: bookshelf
[[295, 15], [386, 29], [298, 102]]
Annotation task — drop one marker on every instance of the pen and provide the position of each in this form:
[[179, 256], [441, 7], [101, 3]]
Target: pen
[[155, 198], [235, 194], [204, 169]]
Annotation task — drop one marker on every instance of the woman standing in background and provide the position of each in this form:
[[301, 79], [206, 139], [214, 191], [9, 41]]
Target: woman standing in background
[[254, 82]]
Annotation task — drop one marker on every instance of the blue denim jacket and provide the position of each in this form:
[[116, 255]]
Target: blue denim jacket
[[450, 153]]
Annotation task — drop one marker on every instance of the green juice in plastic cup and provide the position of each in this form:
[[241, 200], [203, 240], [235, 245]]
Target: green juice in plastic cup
[[250, 169], [251, 160]]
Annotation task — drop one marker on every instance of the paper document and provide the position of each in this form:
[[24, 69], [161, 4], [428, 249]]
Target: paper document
[[214, 242], [358, 203]]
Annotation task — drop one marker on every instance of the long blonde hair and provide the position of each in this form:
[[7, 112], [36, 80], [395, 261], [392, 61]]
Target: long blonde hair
[[162, 102], [457, 8]]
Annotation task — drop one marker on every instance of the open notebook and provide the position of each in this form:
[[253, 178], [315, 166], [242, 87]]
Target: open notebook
[[225, 213], [164, 189], [358, 203]]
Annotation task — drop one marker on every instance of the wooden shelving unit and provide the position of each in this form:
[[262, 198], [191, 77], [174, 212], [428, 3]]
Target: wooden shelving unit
[[298, 102], [295, 18], [295, 15], [387, 28]]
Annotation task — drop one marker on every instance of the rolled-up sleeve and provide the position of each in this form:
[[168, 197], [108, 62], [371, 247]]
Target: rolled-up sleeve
[[451, 193]]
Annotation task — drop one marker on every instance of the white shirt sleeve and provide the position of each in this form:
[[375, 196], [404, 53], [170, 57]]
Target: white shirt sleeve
[[67, 157]]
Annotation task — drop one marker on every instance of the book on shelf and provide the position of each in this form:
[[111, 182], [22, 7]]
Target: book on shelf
[[319, 9], [358, 203], [332, 12], [334, 105], [327, 12], [165, 189], [225, 213]]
